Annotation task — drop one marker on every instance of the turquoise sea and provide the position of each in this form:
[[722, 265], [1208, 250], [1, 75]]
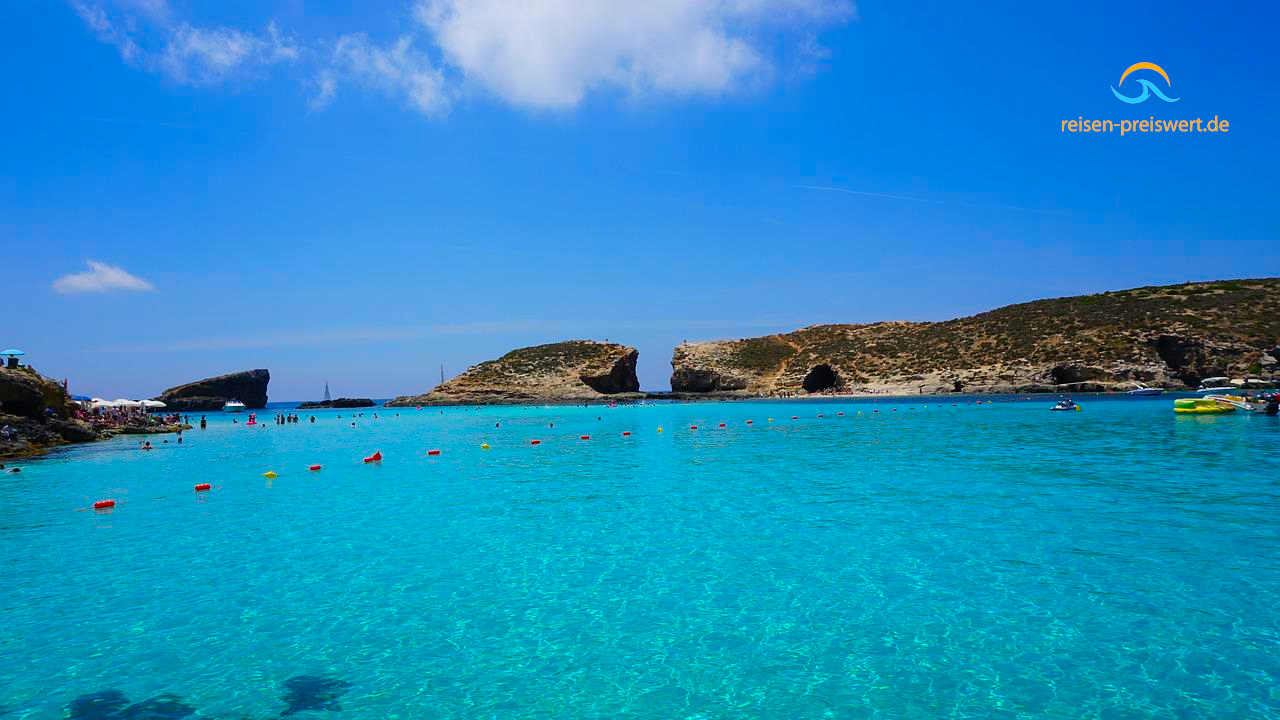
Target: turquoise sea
[[904, 560]]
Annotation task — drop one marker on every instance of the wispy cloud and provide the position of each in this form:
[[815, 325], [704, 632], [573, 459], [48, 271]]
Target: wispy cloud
[[147, 35], [866, 193], [100, 277], [550, 54], [398, 69], [927, 201], [320, 338]]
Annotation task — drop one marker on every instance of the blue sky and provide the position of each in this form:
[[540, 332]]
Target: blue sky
[[359, 191]]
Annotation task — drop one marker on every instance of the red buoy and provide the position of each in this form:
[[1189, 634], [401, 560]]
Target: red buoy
[[584, 437], [795, 417], [433, 452], [314, 467], [819, 414], [626, 433], [750, 422], [839, 414], [201, 487], [535, 442], [693, 427], [721, 424], [104, 504], [376, 457]]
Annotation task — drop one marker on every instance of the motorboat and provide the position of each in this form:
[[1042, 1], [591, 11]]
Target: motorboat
[[1215, 385], [233, 406], [1065, 405], [1144, 390]]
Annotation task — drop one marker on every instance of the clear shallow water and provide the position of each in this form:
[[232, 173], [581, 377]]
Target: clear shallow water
[[980, 561]]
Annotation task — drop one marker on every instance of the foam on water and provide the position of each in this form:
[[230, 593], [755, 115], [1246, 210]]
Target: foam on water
[[917, 562]]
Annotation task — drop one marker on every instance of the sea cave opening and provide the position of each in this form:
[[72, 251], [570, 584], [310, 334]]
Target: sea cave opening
[[820, 378]]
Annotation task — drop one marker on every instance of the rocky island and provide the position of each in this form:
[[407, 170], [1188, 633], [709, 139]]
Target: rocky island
[[570, 371], [249, 387], [336, 403], [1170, 336]]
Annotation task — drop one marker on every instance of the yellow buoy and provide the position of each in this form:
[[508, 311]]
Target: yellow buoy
[[659, 428], [770, 419], [484, 446], [270, 474]]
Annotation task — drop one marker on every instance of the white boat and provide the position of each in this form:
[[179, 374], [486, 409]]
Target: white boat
[[1143, 390], [233, 406], [1215, 385]]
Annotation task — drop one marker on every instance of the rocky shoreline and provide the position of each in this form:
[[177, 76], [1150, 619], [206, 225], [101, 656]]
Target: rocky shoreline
[[37, 414], [573, 371], [337, 403], [1169, 337]]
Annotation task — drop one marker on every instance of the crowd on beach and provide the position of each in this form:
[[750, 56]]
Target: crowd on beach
[[110, 418]]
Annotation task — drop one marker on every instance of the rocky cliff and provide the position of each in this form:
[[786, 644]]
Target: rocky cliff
[[249, 387], [574, 370], [1172, 336], [37, 414]]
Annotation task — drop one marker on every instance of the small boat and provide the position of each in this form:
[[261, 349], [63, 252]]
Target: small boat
[[1065, 405], [1144, 390], [1215, 385], [233, 406]]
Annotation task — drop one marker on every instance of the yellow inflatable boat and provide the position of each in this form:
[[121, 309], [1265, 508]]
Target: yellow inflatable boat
[[1201, 406]]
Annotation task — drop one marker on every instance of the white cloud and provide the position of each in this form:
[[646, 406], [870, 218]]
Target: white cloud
[[540, 54], [100, 277], [398, 69], [146, 35], [553, 53]]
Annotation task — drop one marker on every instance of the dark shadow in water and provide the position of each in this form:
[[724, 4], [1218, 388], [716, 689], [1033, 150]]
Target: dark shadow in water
[[311, 692], [160, 707], [105, 705], [113, 705]]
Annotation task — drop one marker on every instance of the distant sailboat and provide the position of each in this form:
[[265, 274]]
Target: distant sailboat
[[326, 392]]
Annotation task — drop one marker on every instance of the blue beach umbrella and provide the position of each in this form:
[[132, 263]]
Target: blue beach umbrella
[[81, 398], [12, 352]]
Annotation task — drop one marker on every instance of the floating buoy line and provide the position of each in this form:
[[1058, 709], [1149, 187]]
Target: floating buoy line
[[376, 456]]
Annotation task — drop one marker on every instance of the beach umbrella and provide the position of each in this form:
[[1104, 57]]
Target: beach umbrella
[[100, 404], [153, 404], [81, 398], [12, 352], [126, 403]]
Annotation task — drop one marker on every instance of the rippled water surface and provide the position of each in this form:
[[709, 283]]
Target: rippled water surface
[[899, 561]]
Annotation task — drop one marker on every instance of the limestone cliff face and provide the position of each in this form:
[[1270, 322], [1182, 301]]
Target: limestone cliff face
[[249, 387], [574, 370], [1172, 336], [37, 412]]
